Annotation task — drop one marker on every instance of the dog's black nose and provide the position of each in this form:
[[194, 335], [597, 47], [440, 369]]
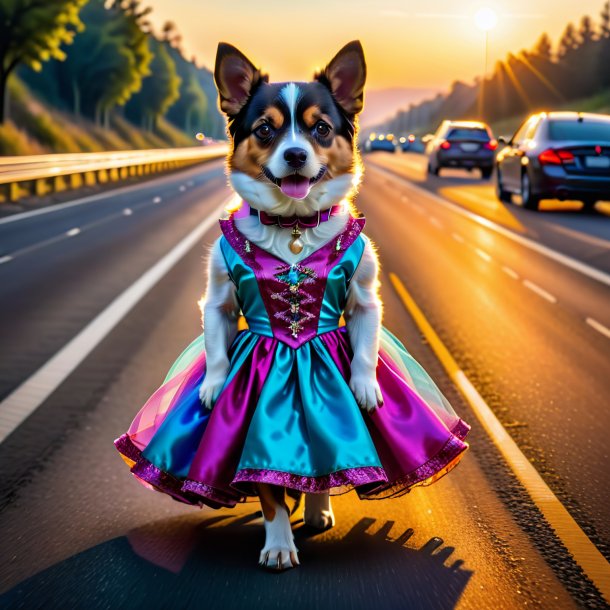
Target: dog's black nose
[[295, 157]]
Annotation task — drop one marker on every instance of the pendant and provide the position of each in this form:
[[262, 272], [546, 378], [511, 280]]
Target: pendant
[[296, 245]]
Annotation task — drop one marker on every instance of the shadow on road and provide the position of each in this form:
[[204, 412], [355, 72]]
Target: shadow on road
[[189, 563]]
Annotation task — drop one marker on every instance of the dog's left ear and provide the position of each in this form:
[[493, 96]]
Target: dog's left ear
[[345, 76]]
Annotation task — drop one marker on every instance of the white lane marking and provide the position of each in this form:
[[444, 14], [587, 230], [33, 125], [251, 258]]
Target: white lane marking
[[585, 553], [591, 239], [182, 188], [127, 212], [26, 398], [540, 291], [510, 272], [598, 326], [157, 200], [483, 254], [190, 183], [73, 232], [457, 237], [436, 222], [120, 190], [5, 259], [567, 261]]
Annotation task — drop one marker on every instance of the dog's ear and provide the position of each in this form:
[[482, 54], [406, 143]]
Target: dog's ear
[[236, 77], [345, 76]]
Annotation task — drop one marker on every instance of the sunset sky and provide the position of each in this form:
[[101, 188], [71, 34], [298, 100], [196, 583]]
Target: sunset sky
[[408, 43]]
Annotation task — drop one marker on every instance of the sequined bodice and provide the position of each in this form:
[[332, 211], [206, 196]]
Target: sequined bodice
[[292, 302]]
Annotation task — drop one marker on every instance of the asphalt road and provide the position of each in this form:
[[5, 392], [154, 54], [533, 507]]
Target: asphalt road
[[77, 531]]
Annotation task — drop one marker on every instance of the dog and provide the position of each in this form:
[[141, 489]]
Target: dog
[[293, 152]]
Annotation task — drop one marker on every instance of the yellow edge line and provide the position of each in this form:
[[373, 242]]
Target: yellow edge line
[[584, 552]]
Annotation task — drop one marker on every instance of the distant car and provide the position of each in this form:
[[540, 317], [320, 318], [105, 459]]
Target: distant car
[[407, 143], [465, 144], [382, 143], [557, 155]]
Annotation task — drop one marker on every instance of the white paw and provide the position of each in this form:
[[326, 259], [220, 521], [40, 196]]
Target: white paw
[[279, 552], [209, 390], [318, 511], [366, 391]]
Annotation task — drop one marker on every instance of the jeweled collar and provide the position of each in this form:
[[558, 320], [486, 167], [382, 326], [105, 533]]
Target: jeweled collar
[[304, 222]]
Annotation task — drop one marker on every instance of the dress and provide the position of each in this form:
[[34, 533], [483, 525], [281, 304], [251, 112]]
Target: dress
[[286, 414]]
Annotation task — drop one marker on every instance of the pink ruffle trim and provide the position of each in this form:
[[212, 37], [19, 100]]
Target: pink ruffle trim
[[370, 482]]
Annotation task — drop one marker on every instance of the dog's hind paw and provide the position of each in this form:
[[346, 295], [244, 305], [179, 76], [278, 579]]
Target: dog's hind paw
[[318, 511]]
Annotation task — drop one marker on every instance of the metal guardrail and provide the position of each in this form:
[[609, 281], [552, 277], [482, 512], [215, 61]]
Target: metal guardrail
[[38, 175]]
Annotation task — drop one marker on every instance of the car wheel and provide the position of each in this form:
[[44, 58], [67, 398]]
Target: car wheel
[[530, 201], [486, 172], [501, 193]]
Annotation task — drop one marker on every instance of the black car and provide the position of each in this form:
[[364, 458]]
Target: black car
[[557, 155], [466, 144]]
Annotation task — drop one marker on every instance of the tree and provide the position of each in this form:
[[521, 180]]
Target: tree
[[586, 32], [604, 26], [568, 41], [159, 91], [544, 47], [108, 60], [190, 112], [34, 31], [171, 35]]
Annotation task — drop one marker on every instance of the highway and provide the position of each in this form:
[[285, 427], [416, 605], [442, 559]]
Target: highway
[[527, 326]]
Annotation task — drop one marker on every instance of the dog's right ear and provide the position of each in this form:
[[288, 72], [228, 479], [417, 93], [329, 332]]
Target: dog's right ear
[[236, 77]]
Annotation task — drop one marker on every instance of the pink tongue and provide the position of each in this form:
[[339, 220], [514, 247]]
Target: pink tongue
[[295, 186]]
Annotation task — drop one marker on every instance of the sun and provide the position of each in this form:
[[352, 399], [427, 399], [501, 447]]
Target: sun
[[486, 19]]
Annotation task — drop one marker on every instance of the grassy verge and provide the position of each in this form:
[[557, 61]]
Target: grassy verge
[[35, 128]]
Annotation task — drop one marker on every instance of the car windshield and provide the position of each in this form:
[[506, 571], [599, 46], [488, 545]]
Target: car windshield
[[580, 131], [468, 133]]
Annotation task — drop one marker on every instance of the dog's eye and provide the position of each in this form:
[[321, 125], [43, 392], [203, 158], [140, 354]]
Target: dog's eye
[[322, 129], [264, 131]]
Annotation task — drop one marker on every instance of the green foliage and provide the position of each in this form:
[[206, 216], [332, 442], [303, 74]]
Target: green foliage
[[32, 32], [159, 91], [190, 112], [108, 59]]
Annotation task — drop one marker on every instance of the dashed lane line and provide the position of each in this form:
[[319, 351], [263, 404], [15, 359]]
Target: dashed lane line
[[510, 272], [584, 552], [27, 397], [540, 291], [483, 254], [598, 326], [563, 259]]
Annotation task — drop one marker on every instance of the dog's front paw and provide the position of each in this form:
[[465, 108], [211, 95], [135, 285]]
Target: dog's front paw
[[366, 391], [209, 390]]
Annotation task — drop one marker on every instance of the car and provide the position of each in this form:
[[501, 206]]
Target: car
[[464, 144], [407, 143], [382, 143], [556, 155]]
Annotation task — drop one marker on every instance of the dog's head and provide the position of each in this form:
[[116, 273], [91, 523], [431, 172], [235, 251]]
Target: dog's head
[[293, 144]]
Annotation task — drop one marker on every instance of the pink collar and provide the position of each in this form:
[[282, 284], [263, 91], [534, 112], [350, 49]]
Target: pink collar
[[305, 222]]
